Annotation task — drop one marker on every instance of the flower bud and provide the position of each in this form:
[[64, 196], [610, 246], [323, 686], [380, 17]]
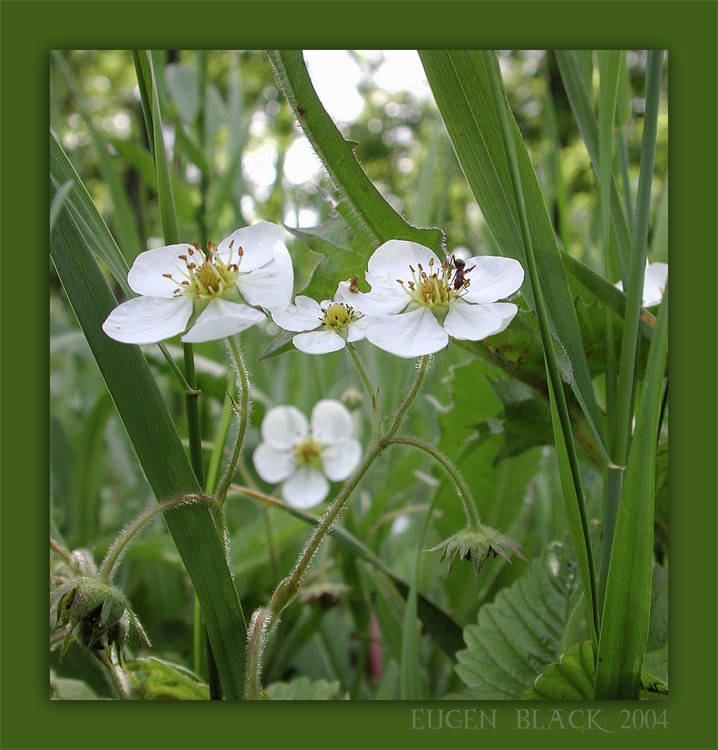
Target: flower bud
[[96, 614], [476, 546], [352, 398]]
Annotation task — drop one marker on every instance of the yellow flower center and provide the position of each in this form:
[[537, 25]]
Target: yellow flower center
[[338, 316], [437, 287], [207, 276], [308, 453]]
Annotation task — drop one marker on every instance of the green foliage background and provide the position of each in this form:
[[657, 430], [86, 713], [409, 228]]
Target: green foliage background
[[221, 109]]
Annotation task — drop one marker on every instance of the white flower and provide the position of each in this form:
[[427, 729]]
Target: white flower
[[331, 323], [205, 296], [654, 283], [417, 301], [306, 455]]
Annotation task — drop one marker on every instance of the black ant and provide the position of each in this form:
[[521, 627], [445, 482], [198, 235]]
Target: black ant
[[460, 266]]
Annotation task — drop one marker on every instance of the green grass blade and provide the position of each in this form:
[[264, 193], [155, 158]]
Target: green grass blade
[[460, 84], [580, 100], [158, 448], [145, 71], [85, 215], [627, 607], [124, 220], [570, 472], [367, 207]]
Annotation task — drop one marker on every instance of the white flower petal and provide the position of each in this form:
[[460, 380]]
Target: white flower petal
[[492, 278], [356, 331], [411, 334], [147, 320], [257, 243], [380, 301], [391, 261], [273, 465], [469, 322], [340, 459], [271, 285], [318, 342], [306, 488], [304, 315], [331, 422], [654, 284], [145, 276], [283, 427], [221, 319]]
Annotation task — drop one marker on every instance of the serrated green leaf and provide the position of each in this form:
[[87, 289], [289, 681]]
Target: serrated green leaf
[[519, 634], [569, 679], [573, 676], [160, 680], [341, 255]]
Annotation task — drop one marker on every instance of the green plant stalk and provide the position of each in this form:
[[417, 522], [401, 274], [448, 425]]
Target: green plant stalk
[[119, 546], [242, 378], [154, 437], [369, 389], [443, 629], [609, 63], [148, 84], [634, 289], [287, 588], [573, 489], [626, 386], [581, 104], [467, 499], [627, 606]]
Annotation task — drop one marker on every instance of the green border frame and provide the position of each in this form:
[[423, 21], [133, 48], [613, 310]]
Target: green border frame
[[28, 30]]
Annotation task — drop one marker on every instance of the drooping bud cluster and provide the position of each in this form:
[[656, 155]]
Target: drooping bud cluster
[[476, 546], [96, 615]]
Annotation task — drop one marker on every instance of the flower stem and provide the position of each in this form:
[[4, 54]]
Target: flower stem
[[221, 492], [119, 546], [369, 390], [467, 500], [409, 400], [264, 618]]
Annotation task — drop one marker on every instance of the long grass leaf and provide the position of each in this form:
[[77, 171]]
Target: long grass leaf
[[581, 104], [157, 445], [627, 607], [571, 481], [460, 84]]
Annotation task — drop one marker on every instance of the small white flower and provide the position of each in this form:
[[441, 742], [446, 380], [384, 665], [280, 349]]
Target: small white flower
[[417, 302], [654, 283], [306, 455], [331, 323], [205, 296]]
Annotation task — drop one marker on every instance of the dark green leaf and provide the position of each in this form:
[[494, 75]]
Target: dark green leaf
[[519, 633], [161, 680]]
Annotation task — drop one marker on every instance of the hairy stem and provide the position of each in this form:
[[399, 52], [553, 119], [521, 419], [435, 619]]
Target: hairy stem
[[467, 500], [119, 546], [243, 410]]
